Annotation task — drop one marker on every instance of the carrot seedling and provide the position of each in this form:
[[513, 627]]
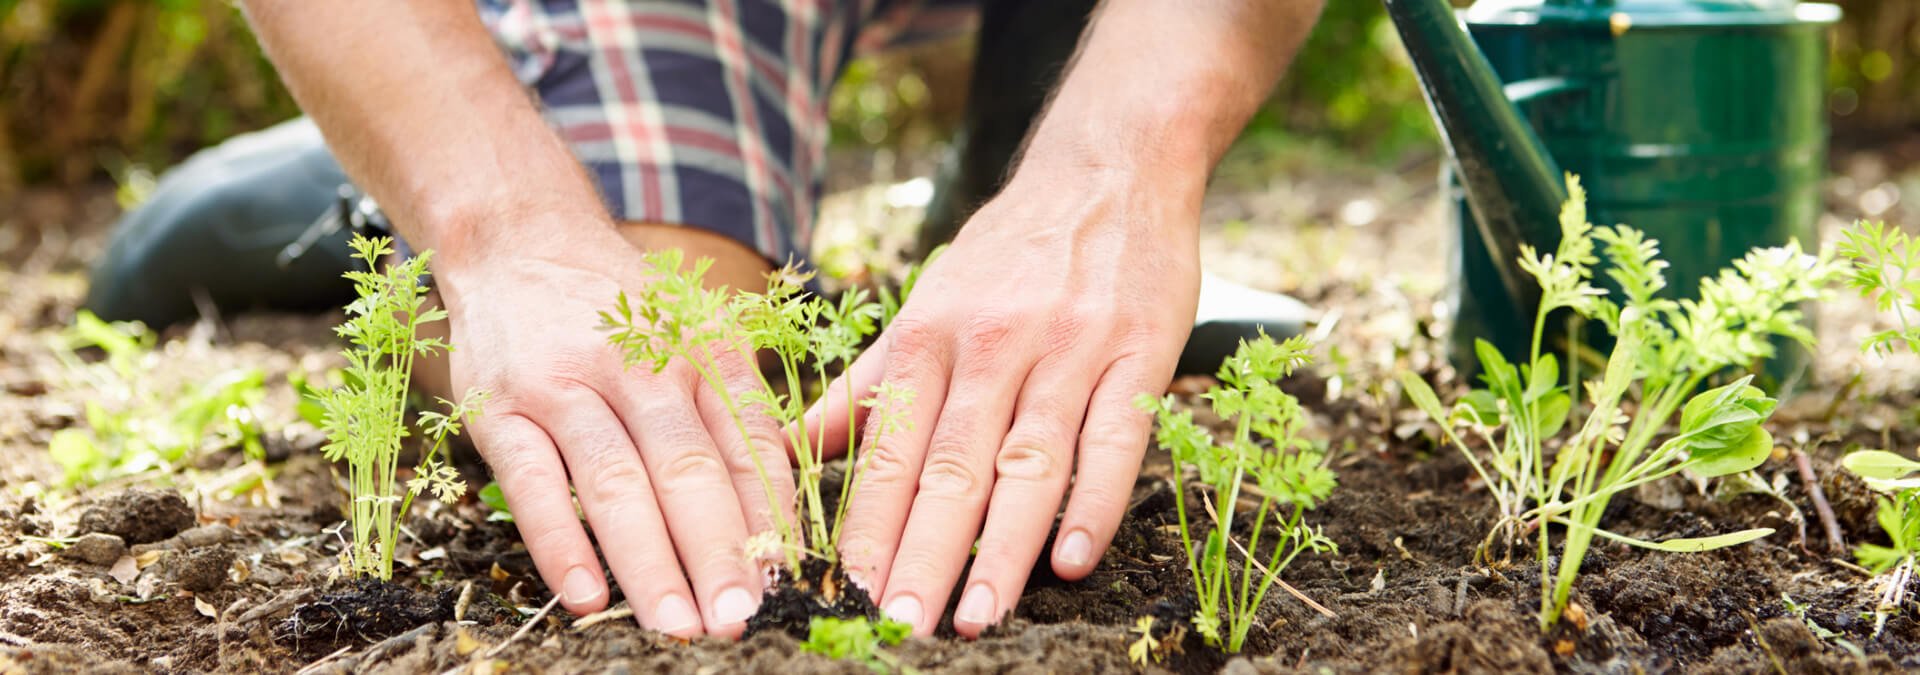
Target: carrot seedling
[[1266, 446], [1664, 351], [676, 319], [365, 419], [857, 640]]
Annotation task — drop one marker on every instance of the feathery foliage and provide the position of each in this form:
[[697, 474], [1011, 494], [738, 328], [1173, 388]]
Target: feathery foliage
[[365, 419], [1664, 351], [1291, 474]]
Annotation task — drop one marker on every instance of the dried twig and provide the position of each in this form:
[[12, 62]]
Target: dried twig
[[524, 628], [1835, 542], [622, 612], [278, 604], [1277, 581], [324, 660]]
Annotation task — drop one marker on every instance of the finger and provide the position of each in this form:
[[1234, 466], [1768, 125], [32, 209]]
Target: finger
[[534, 482], [838, 411], [1030, 480], [695, 492], [1111, 444], [888, 468], [763, 489], [958, 475], [619, 500]]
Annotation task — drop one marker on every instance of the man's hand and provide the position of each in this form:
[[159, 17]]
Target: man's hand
[[654, 458], [1061, 300], [1027, 342]]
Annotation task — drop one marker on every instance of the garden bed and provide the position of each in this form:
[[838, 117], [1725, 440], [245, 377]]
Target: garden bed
[[246, 584]]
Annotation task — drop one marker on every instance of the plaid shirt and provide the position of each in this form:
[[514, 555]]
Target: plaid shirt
[[704, 113]]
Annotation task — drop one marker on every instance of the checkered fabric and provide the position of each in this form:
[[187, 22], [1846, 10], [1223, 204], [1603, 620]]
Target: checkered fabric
[[704, 113]]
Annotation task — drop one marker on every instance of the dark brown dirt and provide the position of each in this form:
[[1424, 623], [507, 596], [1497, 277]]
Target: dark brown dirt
[[822, 590], [251, 591]]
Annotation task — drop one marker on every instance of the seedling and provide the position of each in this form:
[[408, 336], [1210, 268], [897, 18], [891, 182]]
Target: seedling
[[365, 419], [1266, 446], [1886, 269], [1898, 480], [676, 319], [1664, 351], [856, 639]]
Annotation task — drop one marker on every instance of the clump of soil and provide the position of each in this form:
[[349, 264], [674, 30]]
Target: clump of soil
[[366, 610], [822, 590], [138, 515]]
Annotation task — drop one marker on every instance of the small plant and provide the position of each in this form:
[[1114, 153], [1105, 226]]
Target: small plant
[[1897, 479], [856, 639], [676, 319], [135, 426], [1266, 445], [365, 419], [1664, 351], [1886, 269]]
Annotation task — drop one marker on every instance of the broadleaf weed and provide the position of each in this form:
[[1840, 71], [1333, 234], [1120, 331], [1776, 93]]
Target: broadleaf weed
[[1664, 351]]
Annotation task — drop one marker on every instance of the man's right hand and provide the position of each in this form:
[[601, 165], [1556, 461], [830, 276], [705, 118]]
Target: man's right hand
[[654, 459]]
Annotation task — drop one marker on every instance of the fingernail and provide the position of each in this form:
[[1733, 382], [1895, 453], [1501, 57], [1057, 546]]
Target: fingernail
[[580, 586], [1076, 549], [675, 616], [905, 609], [735, 605], [976, 606]]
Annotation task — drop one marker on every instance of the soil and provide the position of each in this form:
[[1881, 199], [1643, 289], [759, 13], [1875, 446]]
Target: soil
[[246, 584]]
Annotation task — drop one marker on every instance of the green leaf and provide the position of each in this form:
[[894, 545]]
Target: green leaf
[[1750, 452], [1879, 465], [75, 452], [496, 501], [1422, 396], [1553, 410]]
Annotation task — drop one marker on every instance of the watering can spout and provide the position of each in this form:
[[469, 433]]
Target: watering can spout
[[1512, 184]]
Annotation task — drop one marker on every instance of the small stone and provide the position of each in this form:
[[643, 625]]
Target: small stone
[[97, 548], [200, 570], [138, 516], [205, 535]]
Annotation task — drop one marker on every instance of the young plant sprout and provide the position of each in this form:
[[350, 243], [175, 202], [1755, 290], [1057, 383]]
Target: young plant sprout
[[676, 319], [857, 640], [1886, 268], [1290, 472], [1664, 351], [365, 419], [1898, 480]]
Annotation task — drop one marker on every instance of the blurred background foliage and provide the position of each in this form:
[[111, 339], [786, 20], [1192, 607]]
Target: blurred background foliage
[[99, 88]]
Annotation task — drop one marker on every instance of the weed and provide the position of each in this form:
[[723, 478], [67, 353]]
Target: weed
[[496, 501], [1266, 445], [856, 639], [1898, 480], [1664, 351], [1146, 647], [365, 418], [677, 319]]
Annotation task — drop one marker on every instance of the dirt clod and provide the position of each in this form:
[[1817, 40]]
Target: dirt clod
[[97, 548], [199, 570], [138, 515]]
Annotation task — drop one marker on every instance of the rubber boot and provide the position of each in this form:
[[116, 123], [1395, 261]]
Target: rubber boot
[[220, 226], [1022, 49]]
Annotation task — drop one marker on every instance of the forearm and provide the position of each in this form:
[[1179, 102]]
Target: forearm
[[422, 111], [1159, 90]]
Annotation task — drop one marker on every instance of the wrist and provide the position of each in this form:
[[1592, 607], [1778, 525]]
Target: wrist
[[470, 244]]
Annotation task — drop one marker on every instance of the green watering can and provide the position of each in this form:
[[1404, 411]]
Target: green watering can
[[1700, 122]]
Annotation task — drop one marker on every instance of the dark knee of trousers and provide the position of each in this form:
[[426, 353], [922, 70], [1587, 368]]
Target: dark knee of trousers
[[215, 227]]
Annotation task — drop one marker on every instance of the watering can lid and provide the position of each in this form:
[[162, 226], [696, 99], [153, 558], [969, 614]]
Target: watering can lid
[[1651, 12]]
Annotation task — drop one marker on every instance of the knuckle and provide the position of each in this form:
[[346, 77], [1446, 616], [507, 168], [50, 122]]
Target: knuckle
[[884, 462], [550, 538], [911, 337], [1064, 330], [1031, 462], [948, 472], [692, 469], [986, 334], [614, 482], [915, 570]]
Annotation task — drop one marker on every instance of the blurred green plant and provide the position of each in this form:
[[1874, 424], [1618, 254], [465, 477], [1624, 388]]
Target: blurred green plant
[[135, 428], [858, 640]]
